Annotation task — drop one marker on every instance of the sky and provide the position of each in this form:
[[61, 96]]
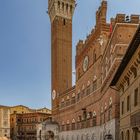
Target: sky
[[25, 47]]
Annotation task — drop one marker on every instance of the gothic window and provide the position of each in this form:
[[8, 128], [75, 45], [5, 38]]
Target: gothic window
[[104, 117], [68, 127], [109, 114], [83, 93], [63, 127], [67, 7], [128, 135], [122, 136], [73, 126], [94, 120], [136, 97], [94, 56], [84, 114], [94, 86], [73, 100], [58, 4], [88, 90], [122, 107], [63, 6], [128, 103], [78, 96], [79, 73], [64, 22]]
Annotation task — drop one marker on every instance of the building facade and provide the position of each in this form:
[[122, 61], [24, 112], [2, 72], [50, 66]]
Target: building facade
[[127, 81], [24, 126], [90, 109], [21, 109], [4, 121]]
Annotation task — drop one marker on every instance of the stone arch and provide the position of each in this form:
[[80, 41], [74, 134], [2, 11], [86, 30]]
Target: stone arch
[[122, 135], [127, 137]]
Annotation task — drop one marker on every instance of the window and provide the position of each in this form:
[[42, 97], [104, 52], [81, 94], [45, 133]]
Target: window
[[94, 56], [94, 87], [128, 103], [64, 22], [79, 73], [73, 126], [63, 127], [109, 114], [78, 96], [63, 6], [104, 117], [122, 107], [68, 127], [84, 114], [128, 135], [122, 136], [136, 97], [83, 93], [94, 121], [73, 100], [88, 90]]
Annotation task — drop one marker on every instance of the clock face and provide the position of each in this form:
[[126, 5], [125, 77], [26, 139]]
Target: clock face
[[53, 94], [85, 63]]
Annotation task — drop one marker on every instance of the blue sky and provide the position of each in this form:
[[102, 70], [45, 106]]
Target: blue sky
[[25, 68]]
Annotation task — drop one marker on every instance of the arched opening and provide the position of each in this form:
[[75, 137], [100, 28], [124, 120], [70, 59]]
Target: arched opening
[[127, 135], [122, 136], [49, 135]]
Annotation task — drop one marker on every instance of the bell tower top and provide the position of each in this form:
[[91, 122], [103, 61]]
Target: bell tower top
[[61, 8]]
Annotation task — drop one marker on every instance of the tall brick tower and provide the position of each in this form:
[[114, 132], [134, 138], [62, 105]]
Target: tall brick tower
[[61, 13]]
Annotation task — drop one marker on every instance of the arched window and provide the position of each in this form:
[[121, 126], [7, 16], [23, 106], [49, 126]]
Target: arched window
[[94, 56], [127, 135], [67, 7], [122, 136], [63, 6], [58, 4]]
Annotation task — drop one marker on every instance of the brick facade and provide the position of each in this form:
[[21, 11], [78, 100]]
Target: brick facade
[[91, 104]]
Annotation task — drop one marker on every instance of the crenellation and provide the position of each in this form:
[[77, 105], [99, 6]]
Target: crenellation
[[135, 19], [61, 8], [120, 18], [79, 47]]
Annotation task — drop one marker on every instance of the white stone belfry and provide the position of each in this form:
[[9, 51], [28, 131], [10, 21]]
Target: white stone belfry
[[61, 8]]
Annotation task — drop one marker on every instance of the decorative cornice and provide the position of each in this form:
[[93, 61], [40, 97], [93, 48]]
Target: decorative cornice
[[61, 8]]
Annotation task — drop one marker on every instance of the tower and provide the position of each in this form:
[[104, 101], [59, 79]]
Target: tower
[[61, 13]]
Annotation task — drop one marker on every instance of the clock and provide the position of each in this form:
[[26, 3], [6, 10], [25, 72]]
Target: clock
[[85, 63], [53, 94]]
